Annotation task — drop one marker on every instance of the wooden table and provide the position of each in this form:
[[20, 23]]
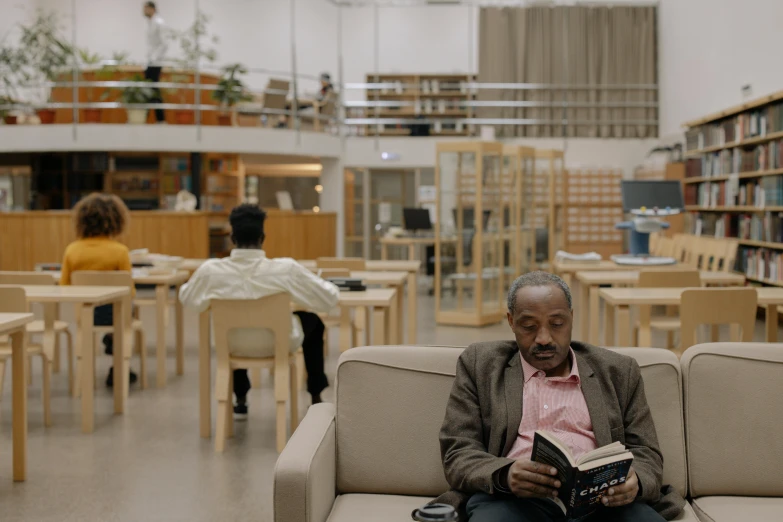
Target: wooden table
[[88, 297], [384, 316], [618, 301], [589, 282], [396, 280], [567, 269], [13, 325], [411, 267], [412, 242], [162, 284]]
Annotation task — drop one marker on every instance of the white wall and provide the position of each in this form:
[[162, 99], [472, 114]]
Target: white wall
[[709, 49]]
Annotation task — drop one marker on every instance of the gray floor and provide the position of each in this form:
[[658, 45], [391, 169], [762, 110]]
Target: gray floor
[[150, 464]]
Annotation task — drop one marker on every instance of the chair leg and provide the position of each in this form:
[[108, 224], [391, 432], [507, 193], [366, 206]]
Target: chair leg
[[223, 394], [282, 435], [670, 339], [220, 428], [77, 349], [294, 384], [326, 342], [2, 377], [29, 370], [141, 344], [69, 345], [46, 392], [56, 355], [230, 412], [301, 377], [255, 377]]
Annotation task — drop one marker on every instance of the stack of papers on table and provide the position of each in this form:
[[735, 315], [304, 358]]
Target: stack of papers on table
[[590, 257]]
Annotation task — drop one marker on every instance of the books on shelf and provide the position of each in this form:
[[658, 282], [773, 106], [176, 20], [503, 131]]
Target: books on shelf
[[176, 164], [760, 263], [747, 125], [767, 156], [222, 165], [766, 227]]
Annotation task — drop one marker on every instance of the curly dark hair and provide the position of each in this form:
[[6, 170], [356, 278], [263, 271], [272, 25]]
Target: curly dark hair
[[100, 215], [247, 226]]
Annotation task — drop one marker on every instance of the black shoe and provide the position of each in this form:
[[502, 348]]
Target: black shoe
[[317, 398], [110, 378], [240, 411], [108, 344]]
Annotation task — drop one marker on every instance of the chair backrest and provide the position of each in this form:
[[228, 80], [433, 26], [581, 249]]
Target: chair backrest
[[106, 278], [276, 99], [26, 278], [680, 248], [715, 306], [730, 255], [13, 300], [271, 313], [653, 243], [669, 279], [328, 273], [665, 247], [733, 418], [348, 263], [390, 406]]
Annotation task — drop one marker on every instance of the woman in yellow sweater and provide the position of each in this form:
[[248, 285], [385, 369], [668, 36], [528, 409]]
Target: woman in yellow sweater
[[98, 219]]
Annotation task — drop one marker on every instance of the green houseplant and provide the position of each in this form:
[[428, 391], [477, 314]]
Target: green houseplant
[[47, 55], [102, 74], [14, 74], [137, 95], [230, 91]]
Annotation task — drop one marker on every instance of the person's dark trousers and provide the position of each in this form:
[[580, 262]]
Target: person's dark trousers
[[104, 316], [313, 350], [153, 74], [505, 508]]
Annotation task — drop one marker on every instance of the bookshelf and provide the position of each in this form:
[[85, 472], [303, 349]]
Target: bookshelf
[[222, 189], [733, 183], [437, 95]]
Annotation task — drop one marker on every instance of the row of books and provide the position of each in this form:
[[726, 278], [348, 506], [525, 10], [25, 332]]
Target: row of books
[[760, 263], [763, 192], [756, 227], [768, 156], [176, 164], [221, 165], [751, 124], [176, 182]]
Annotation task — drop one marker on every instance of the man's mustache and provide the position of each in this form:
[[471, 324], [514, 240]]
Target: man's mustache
[[539, 348]]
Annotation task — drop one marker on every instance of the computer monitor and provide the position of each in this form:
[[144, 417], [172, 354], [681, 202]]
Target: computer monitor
[[468, 217], [416, 219], [650, 194]]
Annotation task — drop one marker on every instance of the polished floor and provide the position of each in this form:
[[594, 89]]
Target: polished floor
[[150, 464]]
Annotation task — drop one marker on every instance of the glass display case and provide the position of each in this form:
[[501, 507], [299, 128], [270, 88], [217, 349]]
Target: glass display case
[[470, 264], [520, 245]]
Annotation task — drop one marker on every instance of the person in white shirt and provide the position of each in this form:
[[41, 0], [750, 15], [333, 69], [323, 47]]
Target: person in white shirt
[[156, 52], [249, 274]]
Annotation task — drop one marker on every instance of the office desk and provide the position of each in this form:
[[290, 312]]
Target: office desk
[[590, 281], [619, 300], [13, 325], [88, 297], [384, 320]]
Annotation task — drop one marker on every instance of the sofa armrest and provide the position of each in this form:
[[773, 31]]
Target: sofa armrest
[[305, 474]]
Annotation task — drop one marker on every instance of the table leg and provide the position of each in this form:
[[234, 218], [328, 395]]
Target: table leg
[[595, 316], [584, 313], [161, 302], [19, 377], [49, 342], [56, 353], [180, 332], [398, 300], [384, 252], [204, 376], [714, 333], [411, 252], [380, 320], [645, 332], [608, 325], [88, 368], [771, 323], [412, 307], [393, 331], [623, 326], [121, 355], [347, 337]]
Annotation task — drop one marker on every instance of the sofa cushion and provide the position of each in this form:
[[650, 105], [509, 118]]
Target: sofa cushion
[[391, 401], [737, 509], [378, 508], [663, 389], [687, 515], [733, 420]]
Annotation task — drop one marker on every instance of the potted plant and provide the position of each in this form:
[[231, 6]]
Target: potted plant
[[230, 91], [14, 73], [47, 55], [191, 42], [137, 95], [104, 73], [8, 119]]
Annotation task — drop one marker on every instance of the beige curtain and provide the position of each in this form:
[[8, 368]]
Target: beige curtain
[[576, 46]]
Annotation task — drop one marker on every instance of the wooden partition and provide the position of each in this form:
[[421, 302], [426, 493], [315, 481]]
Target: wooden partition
[[300, 235], [27, 238]]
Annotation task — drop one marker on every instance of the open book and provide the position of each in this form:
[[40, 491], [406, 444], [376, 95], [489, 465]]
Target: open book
[[584, 481]]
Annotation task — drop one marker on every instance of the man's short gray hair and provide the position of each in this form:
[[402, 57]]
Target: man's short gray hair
[[536, 279]]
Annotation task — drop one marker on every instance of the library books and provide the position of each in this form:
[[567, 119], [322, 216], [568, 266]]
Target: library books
[[760, 263], [767, 227], [767, 156], [751, 124]]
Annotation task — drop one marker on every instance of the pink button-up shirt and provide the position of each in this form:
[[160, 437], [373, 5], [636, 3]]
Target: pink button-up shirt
[[557, 405]]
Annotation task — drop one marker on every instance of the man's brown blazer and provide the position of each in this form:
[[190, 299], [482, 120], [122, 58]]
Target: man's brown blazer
[[485, 409]]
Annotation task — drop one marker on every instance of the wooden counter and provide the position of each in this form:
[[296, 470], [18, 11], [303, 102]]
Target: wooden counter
[[28, 238]]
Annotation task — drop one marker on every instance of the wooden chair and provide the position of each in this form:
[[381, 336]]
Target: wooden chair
[[133, 324], [730, 255], [680, 247], [666, 279], [37, 327], [272, 313], [13, 300], [653, 243], [331, 273], [358, 324], [346, 263], [716, 306]]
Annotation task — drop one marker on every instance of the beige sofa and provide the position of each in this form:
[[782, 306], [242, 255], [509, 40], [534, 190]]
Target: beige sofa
[[375, 456]]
